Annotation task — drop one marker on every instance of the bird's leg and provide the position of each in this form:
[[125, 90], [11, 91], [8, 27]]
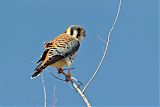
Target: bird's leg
[[68, 76], [60, 71]]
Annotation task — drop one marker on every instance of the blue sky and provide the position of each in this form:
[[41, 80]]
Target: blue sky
[[129, 75]]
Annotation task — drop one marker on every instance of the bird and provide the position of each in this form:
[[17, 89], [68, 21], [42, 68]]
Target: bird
[[61, 51]]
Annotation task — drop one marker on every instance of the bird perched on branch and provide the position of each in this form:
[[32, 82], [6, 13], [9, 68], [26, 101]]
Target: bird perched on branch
[[61, 51]]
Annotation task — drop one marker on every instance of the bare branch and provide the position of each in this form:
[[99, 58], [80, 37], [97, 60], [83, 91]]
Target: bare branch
[[101, 39], [43, 85], [76, 87], [34, 101], [44, 91], [54, 96], [106, 49], [81, 94], [55, 76]]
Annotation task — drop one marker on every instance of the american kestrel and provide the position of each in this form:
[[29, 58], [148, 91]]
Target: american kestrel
[[61, 51]]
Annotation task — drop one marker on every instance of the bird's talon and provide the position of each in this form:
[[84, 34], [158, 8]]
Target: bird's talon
[[68, 78], [60, 71]]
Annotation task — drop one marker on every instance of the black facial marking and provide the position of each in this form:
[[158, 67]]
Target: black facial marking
[[71, 32], [79, 32]]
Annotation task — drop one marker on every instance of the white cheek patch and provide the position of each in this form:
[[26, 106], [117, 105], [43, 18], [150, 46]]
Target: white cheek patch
[[75, 33]]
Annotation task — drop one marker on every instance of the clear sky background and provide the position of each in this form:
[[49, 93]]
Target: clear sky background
[[129, 75]]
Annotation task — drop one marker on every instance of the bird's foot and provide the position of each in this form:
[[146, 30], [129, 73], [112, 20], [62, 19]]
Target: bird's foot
[[68, 77], [60, 71]]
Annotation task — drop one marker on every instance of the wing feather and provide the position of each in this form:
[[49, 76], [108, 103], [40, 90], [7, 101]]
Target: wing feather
[[43, 56], [56, 50], [59, 48]]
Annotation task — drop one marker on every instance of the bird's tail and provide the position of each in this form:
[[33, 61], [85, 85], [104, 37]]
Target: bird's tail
[[38, 70]]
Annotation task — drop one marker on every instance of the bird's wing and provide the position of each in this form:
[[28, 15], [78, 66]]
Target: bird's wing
[[59, 48], [43, 56], [56, 50]]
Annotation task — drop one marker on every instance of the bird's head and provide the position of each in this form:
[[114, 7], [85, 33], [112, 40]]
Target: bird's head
[[76, 31]]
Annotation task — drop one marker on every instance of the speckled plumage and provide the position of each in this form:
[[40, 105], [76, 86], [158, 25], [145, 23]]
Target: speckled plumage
[[62, 50]]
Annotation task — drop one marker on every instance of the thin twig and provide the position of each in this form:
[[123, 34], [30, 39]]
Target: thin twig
[[106, 49], [101, 39], [54, 96], [44, 91], [43, 85], [56, 76], [81, 94], [34, 102], [77, 81], [77, 88]]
